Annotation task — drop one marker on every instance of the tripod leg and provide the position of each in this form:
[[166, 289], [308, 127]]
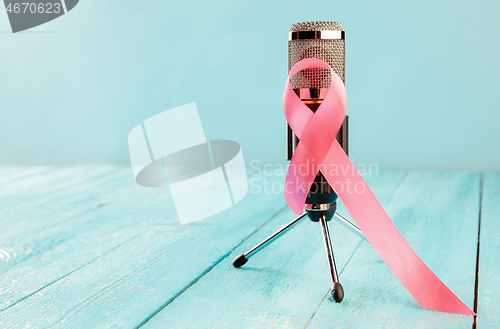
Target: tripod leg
[[240, 260], [350, 226], [337, 290]]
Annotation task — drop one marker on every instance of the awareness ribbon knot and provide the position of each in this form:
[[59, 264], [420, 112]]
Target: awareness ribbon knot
[[317, 131]]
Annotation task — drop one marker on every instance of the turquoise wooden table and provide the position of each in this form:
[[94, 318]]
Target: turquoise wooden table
[[86, 247]]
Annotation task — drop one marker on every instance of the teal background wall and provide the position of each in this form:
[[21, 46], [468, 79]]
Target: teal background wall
[[422, 78]]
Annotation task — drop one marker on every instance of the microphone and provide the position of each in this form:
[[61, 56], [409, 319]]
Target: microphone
[[325, 41]]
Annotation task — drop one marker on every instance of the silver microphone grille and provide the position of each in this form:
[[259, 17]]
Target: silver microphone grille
[[322, 40]]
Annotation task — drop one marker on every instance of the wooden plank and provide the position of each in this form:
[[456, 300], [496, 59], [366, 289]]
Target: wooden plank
[[85, 230], [28, 225], [22, 198], [15, 191], [133, 258], [437, 213], [60, 204], [288, 278], [21, 188], [489, 253], [11, 172]]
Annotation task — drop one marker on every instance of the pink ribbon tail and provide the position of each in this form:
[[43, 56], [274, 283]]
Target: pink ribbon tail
[[316, 150]]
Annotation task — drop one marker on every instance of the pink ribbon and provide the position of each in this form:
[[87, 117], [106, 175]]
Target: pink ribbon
[[317, 149]]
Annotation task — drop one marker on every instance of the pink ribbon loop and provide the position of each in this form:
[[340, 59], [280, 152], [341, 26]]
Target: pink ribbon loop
[[316, 150]]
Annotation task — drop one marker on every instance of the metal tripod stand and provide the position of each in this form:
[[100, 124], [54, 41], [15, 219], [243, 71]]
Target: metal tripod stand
[[321, 213], [320, 207]]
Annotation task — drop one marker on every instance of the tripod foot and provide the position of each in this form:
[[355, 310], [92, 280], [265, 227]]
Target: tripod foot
[[240, 260], [337, 292]]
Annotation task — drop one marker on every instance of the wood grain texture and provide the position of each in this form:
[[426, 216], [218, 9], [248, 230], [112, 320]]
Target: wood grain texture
[[38, 237], [11, 172], [489, 254], [118, 264], [86, 247], [287, 279], [437, 213]]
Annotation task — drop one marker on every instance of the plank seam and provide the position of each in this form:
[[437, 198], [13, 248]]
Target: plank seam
[[93, 208], [476, 286], [51, 196], [328, 292], [397, 187], [24, 176], [39, 252], [62, 277], [210, 268]]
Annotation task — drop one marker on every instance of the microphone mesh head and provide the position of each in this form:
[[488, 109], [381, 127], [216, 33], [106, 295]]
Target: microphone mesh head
[[331, 51]]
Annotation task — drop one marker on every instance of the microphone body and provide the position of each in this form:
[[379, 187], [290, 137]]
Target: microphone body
[[325, 41]]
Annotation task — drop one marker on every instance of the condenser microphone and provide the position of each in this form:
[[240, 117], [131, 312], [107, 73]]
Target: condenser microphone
[[325, 41]]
